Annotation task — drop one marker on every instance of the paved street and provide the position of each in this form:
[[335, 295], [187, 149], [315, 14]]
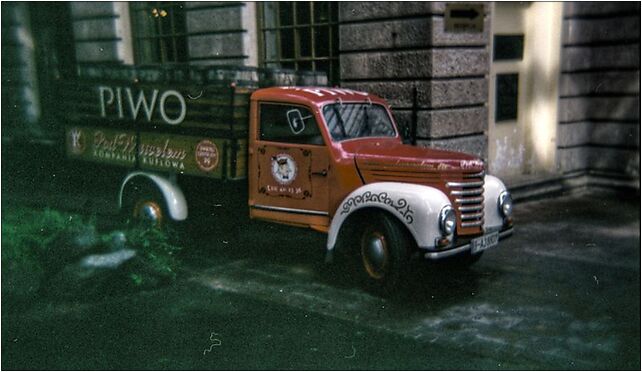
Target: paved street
[[562, 293]]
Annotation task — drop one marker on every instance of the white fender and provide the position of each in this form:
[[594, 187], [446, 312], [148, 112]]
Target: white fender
[[493, 220], [172, 193], [416, 206]]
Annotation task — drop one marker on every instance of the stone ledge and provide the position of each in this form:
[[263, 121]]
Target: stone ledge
[[575, 134], [573, 9], [430, 94], [626, 161], [580, 181], [619, 82], [81, 9], [226, 19], [414, 64], [358, 10], [95, 28], [423, 32], [578, 31], [474, 145], [599, 108], [591, 57], [215, 45], [97, 51]]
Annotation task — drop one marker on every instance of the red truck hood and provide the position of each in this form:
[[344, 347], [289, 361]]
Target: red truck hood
[[390, 160]]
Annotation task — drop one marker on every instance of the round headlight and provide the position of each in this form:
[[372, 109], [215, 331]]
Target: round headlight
[[447, 220], [505, 204]]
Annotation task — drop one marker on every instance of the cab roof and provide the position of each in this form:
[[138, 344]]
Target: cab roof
[[314, 95]]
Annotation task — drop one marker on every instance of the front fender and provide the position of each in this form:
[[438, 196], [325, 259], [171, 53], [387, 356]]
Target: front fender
[[493, 220], [417, 207], [172, 193]]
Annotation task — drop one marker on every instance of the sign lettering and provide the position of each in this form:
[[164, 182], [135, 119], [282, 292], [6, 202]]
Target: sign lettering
[[112, 98]]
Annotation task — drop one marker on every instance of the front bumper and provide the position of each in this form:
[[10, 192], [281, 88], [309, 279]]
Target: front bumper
[[462, 248]]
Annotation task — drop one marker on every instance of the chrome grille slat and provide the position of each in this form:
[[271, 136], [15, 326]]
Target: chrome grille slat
[[473, 216], [465, 184], [472, 224], [475, 175], [467, 192], [473, 208], [469, 200]]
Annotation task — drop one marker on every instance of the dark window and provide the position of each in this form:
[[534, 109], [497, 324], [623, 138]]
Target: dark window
[[506, 98], [301, 35], [289, 124], [508, 47], [159, 30]]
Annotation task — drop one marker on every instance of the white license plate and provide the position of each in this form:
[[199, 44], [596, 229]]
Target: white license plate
[[484, 242]]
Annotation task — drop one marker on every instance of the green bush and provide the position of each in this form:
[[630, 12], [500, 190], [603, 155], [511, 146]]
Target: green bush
[[38, 245], [156, 258], [30, 241]]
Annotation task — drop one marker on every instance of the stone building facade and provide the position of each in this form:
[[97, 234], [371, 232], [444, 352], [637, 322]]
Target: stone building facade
[[547, 93]]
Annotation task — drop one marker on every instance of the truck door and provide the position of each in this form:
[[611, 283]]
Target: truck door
[[290, 167]]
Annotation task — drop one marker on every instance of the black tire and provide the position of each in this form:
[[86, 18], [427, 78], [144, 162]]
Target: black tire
[[382, 248], [144, 204]]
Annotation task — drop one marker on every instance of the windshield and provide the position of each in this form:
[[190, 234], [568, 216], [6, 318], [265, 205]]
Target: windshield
[[357, 120]]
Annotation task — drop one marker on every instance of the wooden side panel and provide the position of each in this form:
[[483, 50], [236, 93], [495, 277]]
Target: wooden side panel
[[190, 155]]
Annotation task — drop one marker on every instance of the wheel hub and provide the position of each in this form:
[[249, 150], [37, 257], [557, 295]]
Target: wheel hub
[[374, 252], [149, 211]]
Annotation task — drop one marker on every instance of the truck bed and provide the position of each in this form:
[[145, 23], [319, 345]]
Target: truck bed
[[186, 120]]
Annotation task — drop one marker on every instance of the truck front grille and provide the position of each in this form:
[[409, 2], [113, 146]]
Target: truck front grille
[[468, 196]]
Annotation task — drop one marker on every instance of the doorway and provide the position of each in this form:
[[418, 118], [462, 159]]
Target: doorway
[[524, 75]]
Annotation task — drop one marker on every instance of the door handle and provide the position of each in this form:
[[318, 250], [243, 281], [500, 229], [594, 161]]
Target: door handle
[[323, 173]]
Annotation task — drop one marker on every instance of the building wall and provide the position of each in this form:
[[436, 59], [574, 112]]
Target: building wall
[[222, 33], [389, 48], [599, 107], [20, 101], [101, 32], [218, 33]]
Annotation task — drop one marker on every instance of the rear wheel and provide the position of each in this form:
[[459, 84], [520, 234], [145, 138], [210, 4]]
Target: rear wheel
[[384, 247], [143, 203]]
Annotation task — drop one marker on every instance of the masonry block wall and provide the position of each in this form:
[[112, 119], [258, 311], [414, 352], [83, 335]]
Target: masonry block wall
[[101, 32], [216, 32], [599, 107], [221, 33], [388, 48]]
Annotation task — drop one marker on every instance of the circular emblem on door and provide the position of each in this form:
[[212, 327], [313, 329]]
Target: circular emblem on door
[[206, 155], [284, 169]]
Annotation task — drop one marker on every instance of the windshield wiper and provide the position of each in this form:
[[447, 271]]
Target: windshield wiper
[[340, 120], [366, 124]]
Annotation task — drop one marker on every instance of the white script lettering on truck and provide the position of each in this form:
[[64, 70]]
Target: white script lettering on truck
[[112, 97]]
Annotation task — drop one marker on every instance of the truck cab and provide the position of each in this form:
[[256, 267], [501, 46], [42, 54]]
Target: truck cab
[[333, 160]]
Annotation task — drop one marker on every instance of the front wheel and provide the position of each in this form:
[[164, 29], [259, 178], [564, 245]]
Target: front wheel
[[384, 247]]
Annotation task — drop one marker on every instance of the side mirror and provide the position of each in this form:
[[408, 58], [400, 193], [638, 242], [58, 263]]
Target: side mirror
[[295, 119]]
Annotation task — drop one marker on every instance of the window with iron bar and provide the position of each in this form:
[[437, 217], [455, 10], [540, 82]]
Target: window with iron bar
[[300, 36], [159, 32]]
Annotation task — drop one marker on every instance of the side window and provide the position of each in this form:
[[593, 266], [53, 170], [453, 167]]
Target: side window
[[288, 124]]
